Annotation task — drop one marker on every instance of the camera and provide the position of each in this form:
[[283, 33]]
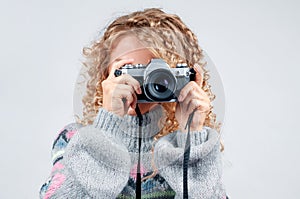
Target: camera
[[159, 82]]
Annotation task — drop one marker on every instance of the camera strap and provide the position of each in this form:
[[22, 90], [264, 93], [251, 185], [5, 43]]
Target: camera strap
[[186, 156], [138, 188]]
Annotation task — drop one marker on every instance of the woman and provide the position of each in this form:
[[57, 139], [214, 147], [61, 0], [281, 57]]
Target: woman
[[103, 154]]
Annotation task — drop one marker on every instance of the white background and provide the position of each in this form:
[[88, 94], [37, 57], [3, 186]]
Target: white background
[[254, 44]]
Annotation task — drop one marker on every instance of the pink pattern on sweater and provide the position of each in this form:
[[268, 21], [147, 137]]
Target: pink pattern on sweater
[[134, 170], [70, 134], [57, 166], [57, 181]]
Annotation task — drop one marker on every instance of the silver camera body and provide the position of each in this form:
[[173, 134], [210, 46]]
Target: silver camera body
[[159, 82]]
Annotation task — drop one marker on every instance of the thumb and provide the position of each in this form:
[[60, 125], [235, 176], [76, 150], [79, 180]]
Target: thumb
[[199, 74]]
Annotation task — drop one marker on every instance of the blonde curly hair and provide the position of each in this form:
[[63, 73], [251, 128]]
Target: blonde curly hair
[[166, 36]]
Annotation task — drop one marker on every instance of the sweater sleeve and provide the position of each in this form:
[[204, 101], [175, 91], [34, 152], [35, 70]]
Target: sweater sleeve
[[91, 157], [57, 153], [204, 168]]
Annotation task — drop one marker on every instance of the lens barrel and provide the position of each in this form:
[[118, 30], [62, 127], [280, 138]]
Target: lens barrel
[[160, 85]]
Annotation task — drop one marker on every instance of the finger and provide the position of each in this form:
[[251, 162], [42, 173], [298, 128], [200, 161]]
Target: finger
[[199, 74], [128, 80], [181, 115], [199, 105], [196, 93], [133, 104], [116, 65], [125, 93], [187, 89], [203, 94]]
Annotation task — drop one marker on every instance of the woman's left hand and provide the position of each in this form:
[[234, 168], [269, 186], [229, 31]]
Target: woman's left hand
[[192, 97]]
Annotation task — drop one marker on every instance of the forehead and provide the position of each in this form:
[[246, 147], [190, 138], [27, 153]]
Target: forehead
[[130, 47]]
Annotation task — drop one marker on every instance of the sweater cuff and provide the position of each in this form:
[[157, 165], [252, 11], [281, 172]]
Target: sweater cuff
[[197, 137], [108, 121]]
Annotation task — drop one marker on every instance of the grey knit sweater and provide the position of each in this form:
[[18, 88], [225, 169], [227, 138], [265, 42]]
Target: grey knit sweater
[[99, 161]]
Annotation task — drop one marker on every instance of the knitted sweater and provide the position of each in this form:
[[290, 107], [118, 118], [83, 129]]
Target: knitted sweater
[[99, 161]]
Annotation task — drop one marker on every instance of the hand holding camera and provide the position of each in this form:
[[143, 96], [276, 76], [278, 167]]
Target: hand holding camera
[[193, 98], [156, 83], [119, 93]]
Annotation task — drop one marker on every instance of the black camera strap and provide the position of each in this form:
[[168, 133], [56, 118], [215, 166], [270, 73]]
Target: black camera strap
[[186, 156], [138, 189]]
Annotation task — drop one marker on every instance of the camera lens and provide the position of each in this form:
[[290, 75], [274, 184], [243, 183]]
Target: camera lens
[[160, 85]]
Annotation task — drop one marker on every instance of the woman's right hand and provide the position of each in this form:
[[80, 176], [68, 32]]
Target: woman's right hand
[[119, 93]]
